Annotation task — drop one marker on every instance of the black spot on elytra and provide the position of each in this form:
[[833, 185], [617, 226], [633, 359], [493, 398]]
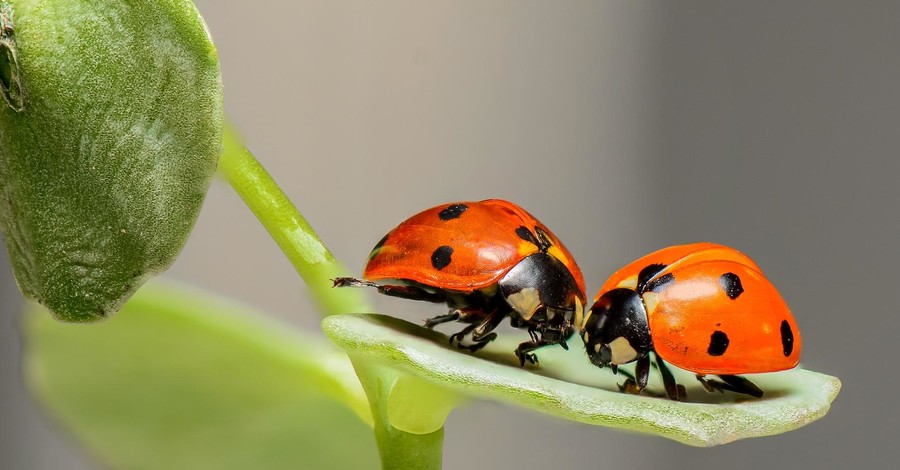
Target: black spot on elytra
[[718, 343], [787, 338], [660, 282], [731, 284], [377, 247], [441, 257], [525, 234], [646, 274], [452, 211]]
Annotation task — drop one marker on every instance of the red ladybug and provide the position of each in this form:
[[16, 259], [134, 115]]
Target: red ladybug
[[703, 307], [487, 261]]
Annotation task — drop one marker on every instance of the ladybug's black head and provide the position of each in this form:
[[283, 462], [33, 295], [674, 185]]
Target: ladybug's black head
[[615, 329], [544, 296]]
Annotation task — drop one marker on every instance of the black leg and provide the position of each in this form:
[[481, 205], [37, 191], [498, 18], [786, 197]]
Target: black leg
[[458, 336], [673, 390], [483, 334], [405, 292], [642, 372], [732, 383], [635, 384], [484, 329], [525, 351], [435, 321]]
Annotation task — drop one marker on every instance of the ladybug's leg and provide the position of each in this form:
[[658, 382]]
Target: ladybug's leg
[[405, 292], [458, 336], [641, 376], [483, 332], [435, 321], [462, 314], [524, 351], [642, 372], [674, 390], [732, 383]]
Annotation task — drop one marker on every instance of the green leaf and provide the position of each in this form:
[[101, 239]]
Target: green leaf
[[185, 381], [109, 136], [567, 385]]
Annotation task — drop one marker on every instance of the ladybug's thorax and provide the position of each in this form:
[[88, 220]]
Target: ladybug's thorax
[[542, 293], [616, 329]]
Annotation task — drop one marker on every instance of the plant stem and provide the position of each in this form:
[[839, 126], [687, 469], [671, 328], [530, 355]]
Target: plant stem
[[288, 228], [398, 449], [316, 265]]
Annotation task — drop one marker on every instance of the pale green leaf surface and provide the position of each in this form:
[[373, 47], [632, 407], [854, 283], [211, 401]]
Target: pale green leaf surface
[[181, 380], [109, 135], [567, 385]]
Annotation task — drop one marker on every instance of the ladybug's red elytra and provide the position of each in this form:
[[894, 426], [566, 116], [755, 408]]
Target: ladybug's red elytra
[[486, 260], [703, 307]]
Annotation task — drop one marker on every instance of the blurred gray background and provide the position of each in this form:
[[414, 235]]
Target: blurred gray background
[[625, 127]]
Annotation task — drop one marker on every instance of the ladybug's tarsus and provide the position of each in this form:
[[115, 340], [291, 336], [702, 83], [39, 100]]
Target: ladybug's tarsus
[[482, 332], [477, 346], [458, 336], [432, 322], [528, 356], [525, 351]]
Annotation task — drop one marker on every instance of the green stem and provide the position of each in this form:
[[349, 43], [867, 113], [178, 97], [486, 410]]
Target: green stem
[[317, 266], [288, 228], [398, 449]]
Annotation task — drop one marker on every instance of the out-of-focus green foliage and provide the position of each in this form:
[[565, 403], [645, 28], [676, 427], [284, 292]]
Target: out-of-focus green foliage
[[180, 380]]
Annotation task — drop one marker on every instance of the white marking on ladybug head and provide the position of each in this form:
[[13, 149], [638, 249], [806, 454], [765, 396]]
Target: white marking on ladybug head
[[622, 352], [526, 302], [629, 283], [651, 300], [579, 314]]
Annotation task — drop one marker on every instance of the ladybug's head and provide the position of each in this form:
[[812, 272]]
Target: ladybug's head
[[615, 329], [544, 296]]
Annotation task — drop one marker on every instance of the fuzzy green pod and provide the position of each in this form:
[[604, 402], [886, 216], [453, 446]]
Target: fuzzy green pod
[[110, 130]]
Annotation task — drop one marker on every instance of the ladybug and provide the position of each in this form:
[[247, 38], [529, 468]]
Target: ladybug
[[486, 260], [703, 307]]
